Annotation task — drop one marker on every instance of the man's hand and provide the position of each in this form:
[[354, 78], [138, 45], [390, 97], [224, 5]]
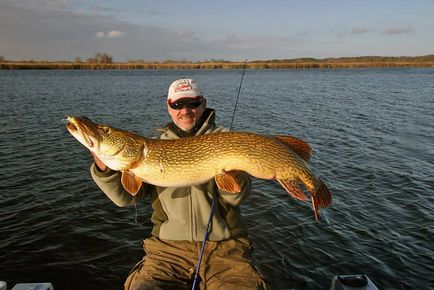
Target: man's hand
[[101, 166]]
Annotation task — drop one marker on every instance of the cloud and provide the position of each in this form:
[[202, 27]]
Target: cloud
[[41, 33], [102, 10], [64, 34], [66, 29], [45, 4], [100, 34], [187, 36], [258, 42], [359, 30], [44, 34], [399, 30], [114, 34], [111, 34], [151, 12]]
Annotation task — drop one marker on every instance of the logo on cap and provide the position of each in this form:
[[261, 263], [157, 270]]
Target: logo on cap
[[182, 87]]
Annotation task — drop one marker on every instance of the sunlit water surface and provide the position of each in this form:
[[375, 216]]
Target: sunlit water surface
[[372, 135]]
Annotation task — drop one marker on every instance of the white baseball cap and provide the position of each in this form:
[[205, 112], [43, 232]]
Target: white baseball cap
[[183, 88]]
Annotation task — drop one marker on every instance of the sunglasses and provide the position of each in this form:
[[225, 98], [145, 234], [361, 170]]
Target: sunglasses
[[189, 103]]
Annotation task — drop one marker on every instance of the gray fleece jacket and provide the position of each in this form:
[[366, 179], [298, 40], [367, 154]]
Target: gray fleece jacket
[[182, 213]]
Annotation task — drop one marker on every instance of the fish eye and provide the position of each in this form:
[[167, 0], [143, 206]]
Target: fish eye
[[105, 129]]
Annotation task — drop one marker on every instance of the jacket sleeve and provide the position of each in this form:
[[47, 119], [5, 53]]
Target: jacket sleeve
[[110, 183], [243, 180]]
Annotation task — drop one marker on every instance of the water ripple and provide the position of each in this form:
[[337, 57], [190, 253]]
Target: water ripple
[[371, 132]]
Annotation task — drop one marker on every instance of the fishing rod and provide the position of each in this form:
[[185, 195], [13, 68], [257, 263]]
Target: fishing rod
[[196, 275], [238, 94]]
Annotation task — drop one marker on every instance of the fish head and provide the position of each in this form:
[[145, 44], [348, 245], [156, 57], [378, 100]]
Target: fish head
[[117, 148]]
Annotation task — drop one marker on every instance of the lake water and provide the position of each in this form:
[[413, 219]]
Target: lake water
[[372, 135]]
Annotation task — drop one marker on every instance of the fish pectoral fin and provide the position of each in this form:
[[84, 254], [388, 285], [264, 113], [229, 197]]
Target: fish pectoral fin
[[227, 182], [293, 189], [130, 182], [300, 147]]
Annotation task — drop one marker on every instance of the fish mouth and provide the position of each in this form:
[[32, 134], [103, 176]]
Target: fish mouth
[[80, 131], [71, 127]]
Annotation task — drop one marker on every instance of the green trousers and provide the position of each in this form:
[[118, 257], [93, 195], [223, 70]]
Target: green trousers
[[171, 265]]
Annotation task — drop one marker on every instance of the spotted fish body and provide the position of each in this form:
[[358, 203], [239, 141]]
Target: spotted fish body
[[195, 160]]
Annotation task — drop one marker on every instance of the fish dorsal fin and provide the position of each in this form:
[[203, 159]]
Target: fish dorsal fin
[[300, 147], [227, 182], [130, 182]]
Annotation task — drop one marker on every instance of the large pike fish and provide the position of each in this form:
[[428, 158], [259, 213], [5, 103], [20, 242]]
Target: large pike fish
[[195, 160]]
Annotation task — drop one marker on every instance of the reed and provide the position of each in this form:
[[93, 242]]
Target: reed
[[344, 62]]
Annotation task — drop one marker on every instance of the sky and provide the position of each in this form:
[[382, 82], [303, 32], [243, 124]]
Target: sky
[[198, 30]]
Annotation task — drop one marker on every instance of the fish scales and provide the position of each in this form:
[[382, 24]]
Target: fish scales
[[195, 160], [252, 153]]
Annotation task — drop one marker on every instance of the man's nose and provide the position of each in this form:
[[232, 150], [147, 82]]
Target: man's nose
[[185, 110]]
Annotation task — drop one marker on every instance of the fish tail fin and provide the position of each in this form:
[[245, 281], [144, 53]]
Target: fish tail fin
[[321, 198], [315, 207], [293, 189], [323, 195]]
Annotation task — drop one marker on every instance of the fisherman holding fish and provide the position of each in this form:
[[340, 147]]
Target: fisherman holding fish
[[180, 214]]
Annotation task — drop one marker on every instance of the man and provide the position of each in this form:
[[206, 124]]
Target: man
[[181, 215]]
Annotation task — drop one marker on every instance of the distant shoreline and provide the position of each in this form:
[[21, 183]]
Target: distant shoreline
[[343, 62]]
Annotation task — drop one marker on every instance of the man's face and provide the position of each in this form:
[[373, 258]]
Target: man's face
[[186, 112]]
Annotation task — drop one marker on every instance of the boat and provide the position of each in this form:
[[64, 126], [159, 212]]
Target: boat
[[352, 282], [27, 286]]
